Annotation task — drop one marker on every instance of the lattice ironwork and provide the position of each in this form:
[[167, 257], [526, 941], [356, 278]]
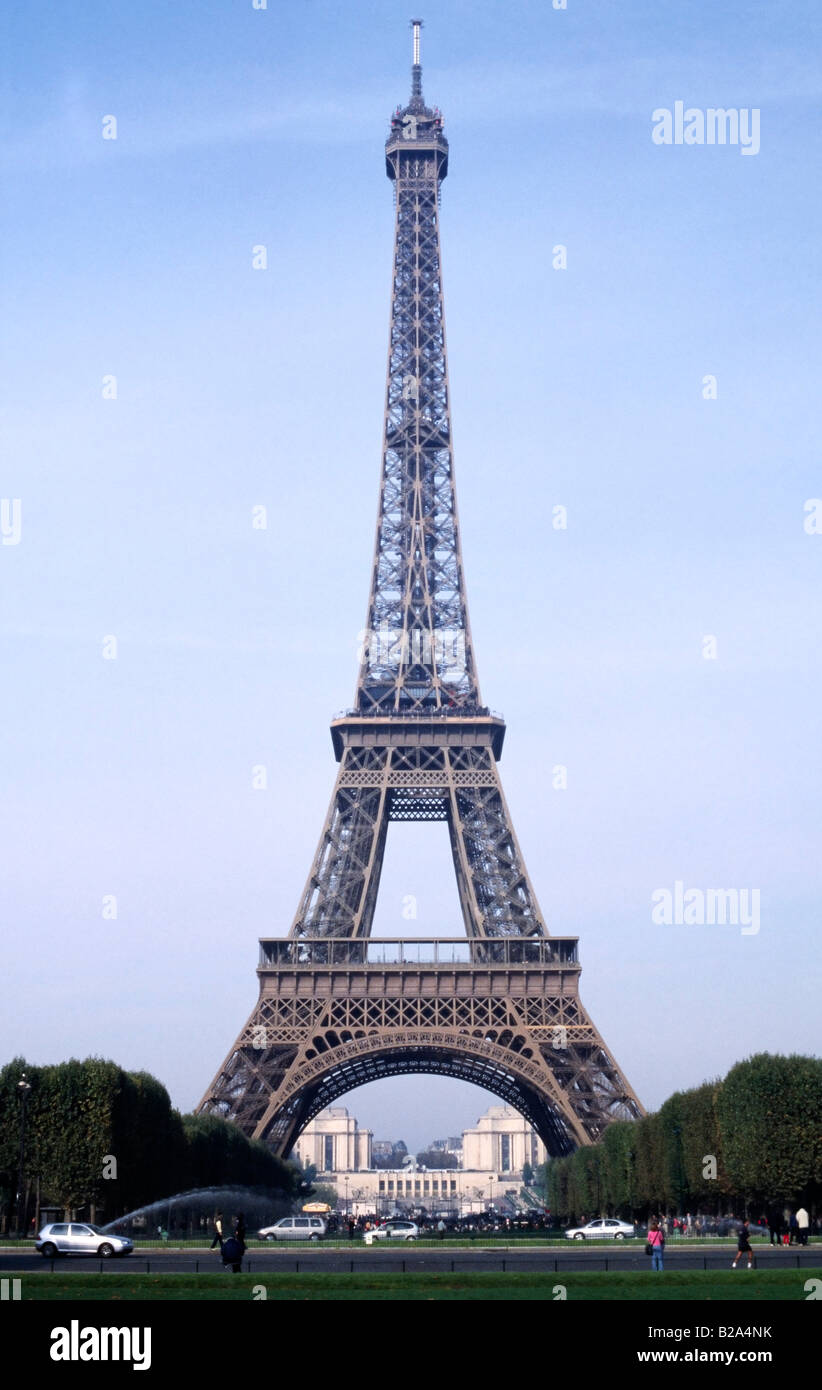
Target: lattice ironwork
[[419, 745], [532, 1042]]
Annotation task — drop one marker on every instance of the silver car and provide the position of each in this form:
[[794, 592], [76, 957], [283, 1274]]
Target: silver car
[[294, 1228], [393, 1230], [80, 1238], [605, 1228]]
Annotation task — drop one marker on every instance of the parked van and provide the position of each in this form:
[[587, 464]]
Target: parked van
[[294, 1228]]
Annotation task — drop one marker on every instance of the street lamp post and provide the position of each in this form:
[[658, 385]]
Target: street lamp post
[[23, 1089], [677, 1130]]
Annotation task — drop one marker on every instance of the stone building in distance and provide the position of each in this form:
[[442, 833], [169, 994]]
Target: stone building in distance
[[492, 1153], [334, 1143]]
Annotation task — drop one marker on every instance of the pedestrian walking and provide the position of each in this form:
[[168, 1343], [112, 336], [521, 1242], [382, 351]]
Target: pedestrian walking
[[743, 1245], [218, 1230], [655, 1246], [802, 1222], [232, 1252]]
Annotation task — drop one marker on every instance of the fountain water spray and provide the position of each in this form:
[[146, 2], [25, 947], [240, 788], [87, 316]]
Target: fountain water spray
[[195, 1209]]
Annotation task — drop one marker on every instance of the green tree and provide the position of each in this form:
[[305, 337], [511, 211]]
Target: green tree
[[322, 1193], [770, 1123], [672, 1182], [306, 1178], [542, 1182], [650, 1167], [71, 1132], [619, 1167], [702, 1147], [10, 1112], [557, 1184], [437, 1158], [100, 1138], [218, 1154], [585, 1183]]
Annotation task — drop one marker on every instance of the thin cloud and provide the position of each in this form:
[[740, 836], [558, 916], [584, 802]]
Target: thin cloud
[[505, 92]]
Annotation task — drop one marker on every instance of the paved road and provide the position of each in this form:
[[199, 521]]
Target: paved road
[[411, 1259]]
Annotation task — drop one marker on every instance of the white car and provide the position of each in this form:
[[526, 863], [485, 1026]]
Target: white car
[[606, 1228], [393, 1230], [80, 1238], [294, 1228]]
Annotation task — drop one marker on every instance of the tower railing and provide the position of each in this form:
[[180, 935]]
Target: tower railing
[[279, 952]]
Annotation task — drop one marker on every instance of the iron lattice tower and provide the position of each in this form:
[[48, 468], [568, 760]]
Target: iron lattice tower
[[500, 1005]]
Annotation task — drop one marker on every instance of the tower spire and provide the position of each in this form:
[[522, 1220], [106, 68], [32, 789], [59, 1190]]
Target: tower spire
[[416, 70]]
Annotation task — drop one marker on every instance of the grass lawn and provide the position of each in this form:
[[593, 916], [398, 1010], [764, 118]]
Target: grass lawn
[[692, 1285]]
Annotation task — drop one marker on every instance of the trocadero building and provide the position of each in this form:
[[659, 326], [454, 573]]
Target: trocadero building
[[493, 1155]]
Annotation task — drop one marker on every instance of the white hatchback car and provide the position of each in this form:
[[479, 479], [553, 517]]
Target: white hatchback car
[[393, 1230], [606, 1228], [294, 1228], [80, 1238]]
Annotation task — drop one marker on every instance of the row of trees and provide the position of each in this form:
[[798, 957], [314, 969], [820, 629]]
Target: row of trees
[[437, 1158], [103, 1140], [396, 1158], [427, 1158], [748, 1142]]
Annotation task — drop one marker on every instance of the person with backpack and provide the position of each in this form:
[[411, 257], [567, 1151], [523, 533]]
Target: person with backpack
[[655, 1245], [232, 1254], [233, 1249]]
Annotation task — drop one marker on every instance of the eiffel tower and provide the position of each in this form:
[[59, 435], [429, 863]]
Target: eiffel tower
[[499, 1005]]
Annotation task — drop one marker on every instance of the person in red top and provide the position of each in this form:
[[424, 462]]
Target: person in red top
[[656, 1239]]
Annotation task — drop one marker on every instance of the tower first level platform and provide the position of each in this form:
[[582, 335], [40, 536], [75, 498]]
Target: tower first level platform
[[504, 1014]]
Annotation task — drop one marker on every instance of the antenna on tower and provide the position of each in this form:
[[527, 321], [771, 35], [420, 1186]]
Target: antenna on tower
[[416, 70]]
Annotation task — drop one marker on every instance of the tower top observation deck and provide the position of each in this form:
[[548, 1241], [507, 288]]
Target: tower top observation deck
[[415, 128]]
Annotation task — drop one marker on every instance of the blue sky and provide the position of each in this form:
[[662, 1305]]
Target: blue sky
[[584, 387]]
